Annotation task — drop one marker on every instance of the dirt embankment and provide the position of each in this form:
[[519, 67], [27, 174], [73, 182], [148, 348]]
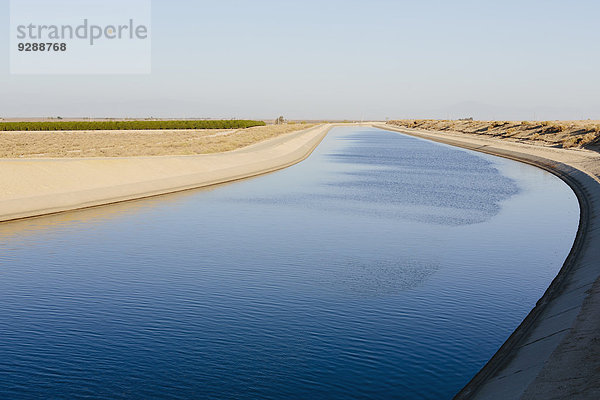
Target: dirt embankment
[[77, 144], [562, 134], [47, 186]]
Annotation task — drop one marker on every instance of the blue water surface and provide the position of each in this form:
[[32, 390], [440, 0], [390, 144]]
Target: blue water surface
[[384, 266]]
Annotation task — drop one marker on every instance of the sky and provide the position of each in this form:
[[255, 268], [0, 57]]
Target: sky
[[330, 59]]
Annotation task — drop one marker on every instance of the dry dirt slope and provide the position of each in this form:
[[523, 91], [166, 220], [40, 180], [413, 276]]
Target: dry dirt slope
[[76, 144], [564, 134]]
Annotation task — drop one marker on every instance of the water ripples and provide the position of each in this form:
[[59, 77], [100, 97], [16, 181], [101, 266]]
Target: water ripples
[[382, 267]]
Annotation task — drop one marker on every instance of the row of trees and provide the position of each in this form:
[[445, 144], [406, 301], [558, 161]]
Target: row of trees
[[126, 125]]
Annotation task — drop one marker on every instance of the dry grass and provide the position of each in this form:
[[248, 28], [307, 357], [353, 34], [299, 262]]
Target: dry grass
[[75, 144], [565, 134]]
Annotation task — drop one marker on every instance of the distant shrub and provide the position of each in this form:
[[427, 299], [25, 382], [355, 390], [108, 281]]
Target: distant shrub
[[588, 138], [552, 128], [570, 142], [592, 128]]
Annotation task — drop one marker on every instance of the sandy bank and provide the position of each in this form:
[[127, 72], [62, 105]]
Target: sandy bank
[[34, 187], [555, 352]]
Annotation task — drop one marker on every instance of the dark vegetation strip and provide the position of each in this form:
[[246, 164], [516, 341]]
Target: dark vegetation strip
[[127, 125]]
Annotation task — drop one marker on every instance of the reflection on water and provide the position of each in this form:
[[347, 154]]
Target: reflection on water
[[432, 184], [384, 266], [92, 215]]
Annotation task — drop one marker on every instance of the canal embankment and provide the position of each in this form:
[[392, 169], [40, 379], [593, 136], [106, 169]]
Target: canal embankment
[[36, 187]]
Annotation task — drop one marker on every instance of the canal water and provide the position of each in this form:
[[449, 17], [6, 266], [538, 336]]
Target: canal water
[[384, 266]]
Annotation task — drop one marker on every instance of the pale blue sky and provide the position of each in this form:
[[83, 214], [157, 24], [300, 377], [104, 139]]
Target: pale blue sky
[[341, 59]]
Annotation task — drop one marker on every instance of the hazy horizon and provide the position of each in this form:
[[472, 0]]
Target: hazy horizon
[[340, 60]]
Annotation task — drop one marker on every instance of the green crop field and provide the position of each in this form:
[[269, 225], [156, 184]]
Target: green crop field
[[126, 125]]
